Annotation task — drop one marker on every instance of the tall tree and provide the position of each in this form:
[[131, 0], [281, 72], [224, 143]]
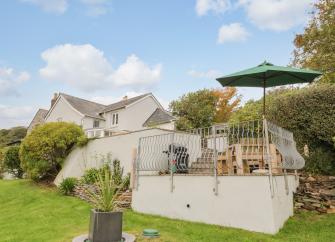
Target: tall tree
[[204, 107], [315, 48]]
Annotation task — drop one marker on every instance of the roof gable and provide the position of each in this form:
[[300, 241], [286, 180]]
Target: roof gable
[[124, 103], [87, 108], [39, 118], [160, 116]]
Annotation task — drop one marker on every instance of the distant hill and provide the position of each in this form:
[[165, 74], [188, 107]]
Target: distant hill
[[11, 135]]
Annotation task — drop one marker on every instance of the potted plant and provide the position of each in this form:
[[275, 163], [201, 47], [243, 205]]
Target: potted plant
[[105, 222]]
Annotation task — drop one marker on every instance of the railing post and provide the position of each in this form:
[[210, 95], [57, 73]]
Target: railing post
[[215, 161], [286, 182], [170, 161], [137, 163], [267, 156]]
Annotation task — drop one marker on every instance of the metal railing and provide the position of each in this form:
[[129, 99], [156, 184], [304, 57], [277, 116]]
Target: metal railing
[[245, 148]]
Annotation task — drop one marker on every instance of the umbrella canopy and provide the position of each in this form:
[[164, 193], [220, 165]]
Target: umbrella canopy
[[268, 75]]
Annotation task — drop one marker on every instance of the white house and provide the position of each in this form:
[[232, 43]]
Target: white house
[[98, 120]]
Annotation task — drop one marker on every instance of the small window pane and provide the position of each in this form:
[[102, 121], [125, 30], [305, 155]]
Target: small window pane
[[96, 124]]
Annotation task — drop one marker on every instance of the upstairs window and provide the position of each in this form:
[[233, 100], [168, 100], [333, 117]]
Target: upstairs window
[[115, 119], [96, 124]]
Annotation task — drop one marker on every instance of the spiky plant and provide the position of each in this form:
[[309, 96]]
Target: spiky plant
[[103, 199]]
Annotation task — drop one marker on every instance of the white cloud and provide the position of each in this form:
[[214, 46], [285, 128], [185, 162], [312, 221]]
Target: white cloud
[[210, 74], [54, 6], [234, 32], [202, 7], [96, 7], [136, 72], [10, 80], [85, 67], [278, 15], [11, 116]]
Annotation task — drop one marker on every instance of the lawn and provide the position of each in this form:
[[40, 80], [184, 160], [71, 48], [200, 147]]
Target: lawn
[[33, 213]]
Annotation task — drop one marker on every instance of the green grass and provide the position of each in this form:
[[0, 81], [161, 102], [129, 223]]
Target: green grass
[[36, 214]]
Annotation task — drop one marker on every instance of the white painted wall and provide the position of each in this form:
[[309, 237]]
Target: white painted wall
[[169, 126], [120, 146], [64, 111], [242, 201], [132, 117], [88, 123]]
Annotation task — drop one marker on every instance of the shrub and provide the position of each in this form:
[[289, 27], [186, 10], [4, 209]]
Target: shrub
[[90, 176], [113, 168], [11, 161], [310, 113], [43, 151], [67, 185], [117, 172], [320, 161]]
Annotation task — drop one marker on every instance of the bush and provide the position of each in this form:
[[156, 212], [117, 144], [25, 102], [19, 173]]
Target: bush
[[67, 185], [43, 151], [113, 168], [310, 113], [11, 161], [320, 161], [90, 176]]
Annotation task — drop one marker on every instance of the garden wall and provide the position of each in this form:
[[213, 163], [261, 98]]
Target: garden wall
[[119, 146], [242, 201]]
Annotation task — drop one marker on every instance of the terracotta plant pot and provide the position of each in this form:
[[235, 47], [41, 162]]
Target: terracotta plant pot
[[105, 226]]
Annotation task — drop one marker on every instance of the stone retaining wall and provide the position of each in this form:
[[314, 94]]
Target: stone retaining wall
[[316, 193]]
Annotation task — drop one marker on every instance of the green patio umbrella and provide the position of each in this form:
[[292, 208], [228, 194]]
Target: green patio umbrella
[[268, 75]]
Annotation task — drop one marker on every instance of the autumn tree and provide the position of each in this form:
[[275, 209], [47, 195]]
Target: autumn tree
[[204, 107], [315, 47]]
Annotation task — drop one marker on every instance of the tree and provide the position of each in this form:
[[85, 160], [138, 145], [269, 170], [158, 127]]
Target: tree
[[204, 107], [315, 48], [43, 151], [10, 135], [11, 161], [253, 109]]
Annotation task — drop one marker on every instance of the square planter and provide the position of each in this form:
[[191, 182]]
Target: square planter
[[105, 226]]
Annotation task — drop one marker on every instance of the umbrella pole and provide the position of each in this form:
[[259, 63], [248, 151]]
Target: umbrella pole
[[264, 97]]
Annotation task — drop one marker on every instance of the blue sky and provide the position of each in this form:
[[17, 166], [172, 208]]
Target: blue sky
[[103, 49]]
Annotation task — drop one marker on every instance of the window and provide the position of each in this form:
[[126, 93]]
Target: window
[[115, 119], [96, 124]]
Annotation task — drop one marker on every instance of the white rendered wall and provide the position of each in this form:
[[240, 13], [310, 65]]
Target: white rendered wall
[[133, 117], [119, 146], [170, 126], [62, 110], [242, 201]]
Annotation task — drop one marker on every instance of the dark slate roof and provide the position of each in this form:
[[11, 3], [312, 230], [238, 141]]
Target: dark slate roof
[[158, 117], [38, 118], [85, 107], [123, 103]]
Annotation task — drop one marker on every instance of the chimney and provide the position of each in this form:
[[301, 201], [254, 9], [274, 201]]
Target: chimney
[[125, 97], [53, 100]]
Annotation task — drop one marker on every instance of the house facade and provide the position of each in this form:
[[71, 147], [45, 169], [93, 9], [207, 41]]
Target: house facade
[[98, 120]]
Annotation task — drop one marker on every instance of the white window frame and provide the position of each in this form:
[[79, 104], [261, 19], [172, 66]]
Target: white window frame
[[94, 121], [115, 119]]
